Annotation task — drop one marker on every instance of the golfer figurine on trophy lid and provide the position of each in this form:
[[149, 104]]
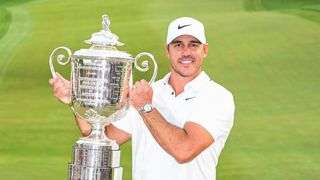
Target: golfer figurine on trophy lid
[[100, 78]]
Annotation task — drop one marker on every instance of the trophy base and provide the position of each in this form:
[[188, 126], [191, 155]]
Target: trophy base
[[95, 161], [77, 172]]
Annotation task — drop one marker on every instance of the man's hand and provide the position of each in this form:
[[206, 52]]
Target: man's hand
[[61, 89], [141, 94], [126, 91]]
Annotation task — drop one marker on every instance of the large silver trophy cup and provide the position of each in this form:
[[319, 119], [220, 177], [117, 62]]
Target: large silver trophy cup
[[100, 79]]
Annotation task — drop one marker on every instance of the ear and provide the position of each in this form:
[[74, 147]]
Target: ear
[[166, 47], [205, 49]]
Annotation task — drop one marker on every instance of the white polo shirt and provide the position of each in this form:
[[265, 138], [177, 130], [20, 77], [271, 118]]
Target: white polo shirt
[[204, 102]]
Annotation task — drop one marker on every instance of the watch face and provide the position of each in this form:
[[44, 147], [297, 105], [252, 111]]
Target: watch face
[[147, 108]]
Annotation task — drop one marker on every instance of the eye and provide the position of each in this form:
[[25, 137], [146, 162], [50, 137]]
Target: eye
[[194, 45], [177, 45]]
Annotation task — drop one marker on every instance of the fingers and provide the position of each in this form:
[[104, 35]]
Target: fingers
[[129, 73], [57, 78], [141, 94], [60, 77], [66, 100], [136, 85], [61, 92], [142, 83], [61, 89]]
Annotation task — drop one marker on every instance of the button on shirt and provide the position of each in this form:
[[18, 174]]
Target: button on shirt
[[204, 102]]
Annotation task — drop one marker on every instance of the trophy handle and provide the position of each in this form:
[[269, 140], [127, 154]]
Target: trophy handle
[[59, 59], [145, 65]]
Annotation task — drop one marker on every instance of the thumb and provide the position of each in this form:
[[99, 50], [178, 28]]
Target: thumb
[[51, 81]]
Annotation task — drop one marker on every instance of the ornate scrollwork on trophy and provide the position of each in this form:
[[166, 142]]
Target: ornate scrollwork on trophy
[[145, 65], [60, 59]]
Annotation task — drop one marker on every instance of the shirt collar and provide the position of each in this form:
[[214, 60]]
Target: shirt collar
[[165, 79], [196, 84]]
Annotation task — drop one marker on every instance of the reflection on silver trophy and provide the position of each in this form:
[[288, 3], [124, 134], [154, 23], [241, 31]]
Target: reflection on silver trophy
[[101, 77]]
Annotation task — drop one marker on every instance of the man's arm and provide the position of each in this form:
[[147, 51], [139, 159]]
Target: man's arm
[[62, 91], [111, 131], [184, 144], [117, 134]]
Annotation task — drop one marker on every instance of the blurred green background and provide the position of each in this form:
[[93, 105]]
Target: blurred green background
[[267, 52]]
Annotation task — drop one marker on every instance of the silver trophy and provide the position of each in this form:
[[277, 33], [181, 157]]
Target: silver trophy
[[100, 79]]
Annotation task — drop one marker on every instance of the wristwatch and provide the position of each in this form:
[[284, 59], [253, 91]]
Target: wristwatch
[[146, 108]]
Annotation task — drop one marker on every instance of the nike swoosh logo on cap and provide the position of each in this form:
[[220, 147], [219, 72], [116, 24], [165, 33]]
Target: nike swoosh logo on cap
[[180, 27]]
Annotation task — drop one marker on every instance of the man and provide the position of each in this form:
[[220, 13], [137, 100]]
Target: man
[[179, 124]]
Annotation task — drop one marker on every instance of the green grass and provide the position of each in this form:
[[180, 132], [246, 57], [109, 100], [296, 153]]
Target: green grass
[[5, 15], [5, 20], [308, 9], [288, 4], [269, 59], [279, 4]]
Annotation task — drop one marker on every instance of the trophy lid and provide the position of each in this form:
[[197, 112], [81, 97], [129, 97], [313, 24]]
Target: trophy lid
[[103, 44], [105, 37]]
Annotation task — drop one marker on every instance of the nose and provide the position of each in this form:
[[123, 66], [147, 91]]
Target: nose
[[186, 51]]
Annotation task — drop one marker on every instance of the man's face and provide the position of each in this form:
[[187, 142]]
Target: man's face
[[186, 55]]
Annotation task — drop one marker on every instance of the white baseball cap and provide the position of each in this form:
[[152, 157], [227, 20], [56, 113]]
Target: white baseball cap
[[186, 26]]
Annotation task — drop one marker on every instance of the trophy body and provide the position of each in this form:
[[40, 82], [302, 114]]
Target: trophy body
[[101, 78]]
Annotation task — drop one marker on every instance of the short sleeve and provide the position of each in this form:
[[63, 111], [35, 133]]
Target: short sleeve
[[216, 115]]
